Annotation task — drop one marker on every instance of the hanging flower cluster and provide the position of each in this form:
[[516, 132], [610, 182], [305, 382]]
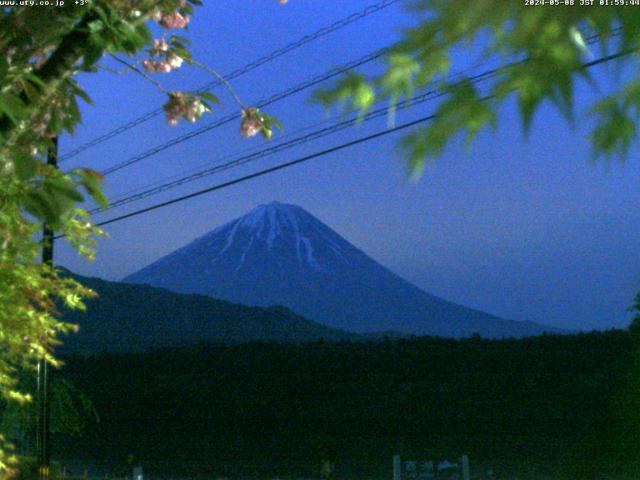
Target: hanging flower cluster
[[160, 47], [167, 59], [172, 20], [170, 54], [251, 123], [185, 105], [172, 62], [254, 121]]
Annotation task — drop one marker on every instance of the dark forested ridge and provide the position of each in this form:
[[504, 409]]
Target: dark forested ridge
[[130, 318], [563, 405]]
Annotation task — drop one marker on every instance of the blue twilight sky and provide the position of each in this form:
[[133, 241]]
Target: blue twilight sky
[[527, 229]]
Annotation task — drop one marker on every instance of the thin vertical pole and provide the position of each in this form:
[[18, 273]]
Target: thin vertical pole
[[43, 439], [466, 475], [397, 468]]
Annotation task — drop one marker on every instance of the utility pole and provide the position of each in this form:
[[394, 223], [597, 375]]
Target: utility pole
[[43, 432]]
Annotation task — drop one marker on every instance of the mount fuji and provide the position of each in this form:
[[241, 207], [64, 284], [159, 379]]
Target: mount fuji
[[279, 254]]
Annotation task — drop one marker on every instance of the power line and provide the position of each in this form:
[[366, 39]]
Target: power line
[[249, 149], [371, 9], [265, 102], [321, 153], [269, 170], [275, 97], [409, 103], [334, 72]]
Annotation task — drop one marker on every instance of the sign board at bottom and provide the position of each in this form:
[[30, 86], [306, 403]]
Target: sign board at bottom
[[429, 469]]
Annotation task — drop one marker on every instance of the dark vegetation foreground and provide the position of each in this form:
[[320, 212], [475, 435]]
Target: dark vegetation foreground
[[563, 406]]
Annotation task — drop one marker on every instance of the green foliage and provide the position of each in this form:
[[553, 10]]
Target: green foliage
[[8, 461], [614, 130], [208, 99], [268, 122], [39, 97], [546, 50], [38, 101], [353, 89], [71, 410], [28, 469], [127, 317], [178, 46], [28, 290], [464, 109]]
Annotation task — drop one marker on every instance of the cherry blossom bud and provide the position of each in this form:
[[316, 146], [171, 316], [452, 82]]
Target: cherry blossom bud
[[163, 66], [183, 105], [251, 123], [174, 20], [173, 107], [175, 61], [160, 46], [149, 65]]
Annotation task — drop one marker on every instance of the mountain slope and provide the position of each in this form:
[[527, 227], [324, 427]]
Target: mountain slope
[[279, 254], [127, 318]]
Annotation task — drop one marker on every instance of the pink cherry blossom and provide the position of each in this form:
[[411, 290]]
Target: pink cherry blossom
[[163, 66], [160, 46], [174, 20], [251, 123], [175, 61], [149, 65], [183, 105]]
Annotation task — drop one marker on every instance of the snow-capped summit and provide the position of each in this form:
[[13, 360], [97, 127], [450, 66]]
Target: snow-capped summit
[[281, 226], [285, 234], [279, 254]]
